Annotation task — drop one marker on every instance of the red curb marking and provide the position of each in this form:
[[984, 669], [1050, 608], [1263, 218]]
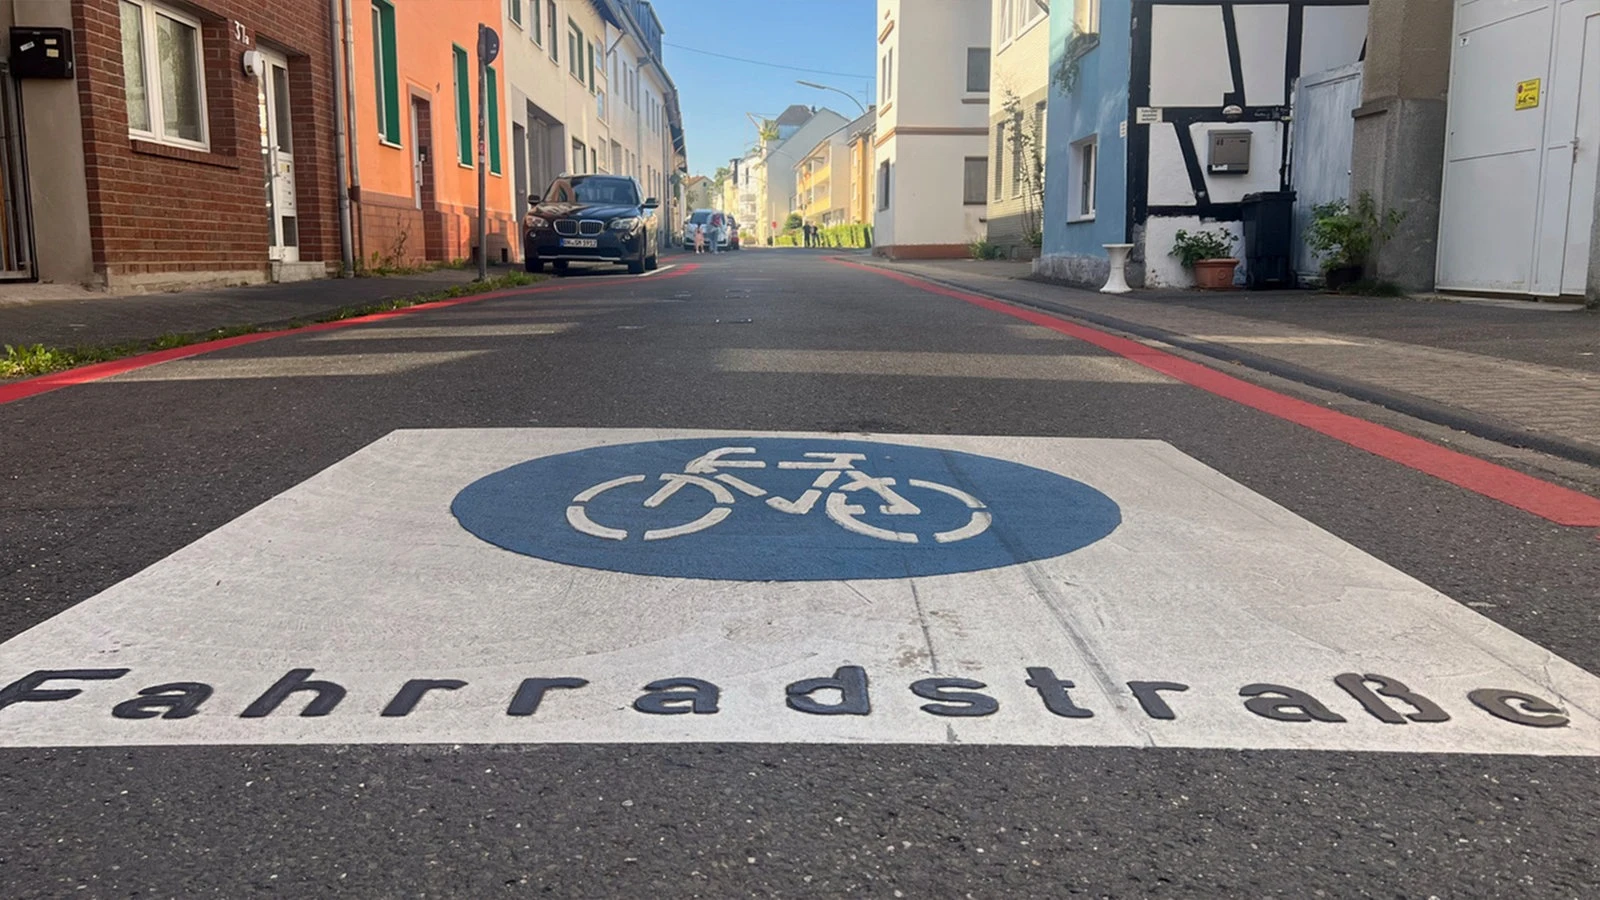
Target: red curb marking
[[1560, 505], [18, 390]]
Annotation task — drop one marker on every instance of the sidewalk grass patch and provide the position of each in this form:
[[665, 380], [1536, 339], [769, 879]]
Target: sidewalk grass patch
[[26, 361]]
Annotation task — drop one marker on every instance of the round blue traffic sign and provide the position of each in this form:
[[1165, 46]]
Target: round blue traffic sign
[[783, 509]]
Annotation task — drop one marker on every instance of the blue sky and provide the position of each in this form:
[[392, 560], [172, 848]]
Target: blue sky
[[835, 36]]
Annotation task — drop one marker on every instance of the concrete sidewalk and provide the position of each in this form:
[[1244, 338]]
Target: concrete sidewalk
[[90, 319], [1524, 374]]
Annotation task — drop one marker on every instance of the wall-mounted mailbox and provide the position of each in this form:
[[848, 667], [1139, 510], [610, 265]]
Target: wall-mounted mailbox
[[41, 53], [1230, 153]]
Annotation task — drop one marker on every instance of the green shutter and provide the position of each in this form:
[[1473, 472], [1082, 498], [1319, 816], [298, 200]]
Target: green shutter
[[391, 76], [463, 108], [591, 67], [493, 113]]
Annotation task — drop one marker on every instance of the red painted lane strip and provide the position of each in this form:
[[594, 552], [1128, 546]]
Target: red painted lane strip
[[18, 390], [1548, 501]]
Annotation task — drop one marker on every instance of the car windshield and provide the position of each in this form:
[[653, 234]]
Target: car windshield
[[700, 217], [593, 189]]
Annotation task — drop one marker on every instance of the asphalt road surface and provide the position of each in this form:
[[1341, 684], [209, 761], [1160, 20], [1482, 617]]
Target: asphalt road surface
[[767, 574]]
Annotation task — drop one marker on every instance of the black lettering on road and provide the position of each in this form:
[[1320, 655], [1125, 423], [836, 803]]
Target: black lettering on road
[[1356, 686], [180, 699], [1291, 704], [849, 681], [411, 694], [531, 692], [327, 696], [1497, 703], [1053, 691], [955, 703], [26, 688], [676, 696], [1148, 693]]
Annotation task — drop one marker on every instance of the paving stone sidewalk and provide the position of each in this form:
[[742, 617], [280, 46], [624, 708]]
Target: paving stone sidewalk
[[1532, 377], [94, 319]]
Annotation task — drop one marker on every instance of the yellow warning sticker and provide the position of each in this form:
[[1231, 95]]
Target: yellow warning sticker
[[1528, 94]]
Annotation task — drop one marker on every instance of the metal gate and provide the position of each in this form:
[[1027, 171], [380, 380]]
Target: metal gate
[[16, 225], [1324, 136]]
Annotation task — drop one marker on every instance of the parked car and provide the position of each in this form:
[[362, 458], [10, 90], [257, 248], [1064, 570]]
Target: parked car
[[591, 218], [720, 227]]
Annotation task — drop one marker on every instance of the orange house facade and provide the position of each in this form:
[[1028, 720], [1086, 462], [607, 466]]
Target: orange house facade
[[414, 155]]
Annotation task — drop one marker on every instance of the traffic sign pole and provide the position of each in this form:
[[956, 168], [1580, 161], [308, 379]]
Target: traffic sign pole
[[488, 49]]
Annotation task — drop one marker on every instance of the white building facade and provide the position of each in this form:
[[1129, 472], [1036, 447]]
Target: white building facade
[[1018, 81], [587, 92], [932, 129]]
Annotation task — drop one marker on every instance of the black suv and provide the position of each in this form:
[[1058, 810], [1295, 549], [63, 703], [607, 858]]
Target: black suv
[[591, 218]]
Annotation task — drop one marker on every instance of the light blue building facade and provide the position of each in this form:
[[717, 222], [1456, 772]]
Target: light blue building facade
[[1164, 115]]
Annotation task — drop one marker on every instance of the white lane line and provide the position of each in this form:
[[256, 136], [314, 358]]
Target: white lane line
[[322, 366], [1022, 366], [379, 333]]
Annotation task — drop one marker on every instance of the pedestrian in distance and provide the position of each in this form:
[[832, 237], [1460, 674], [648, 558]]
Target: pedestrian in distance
[[699, 238], [716, 233]]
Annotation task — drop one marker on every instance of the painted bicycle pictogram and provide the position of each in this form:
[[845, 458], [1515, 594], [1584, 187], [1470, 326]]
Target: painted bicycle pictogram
[[837, 485], [783, 508]]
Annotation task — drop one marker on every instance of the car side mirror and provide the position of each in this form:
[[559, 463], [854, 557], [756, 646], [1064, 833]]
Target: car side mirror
[[651, 203]]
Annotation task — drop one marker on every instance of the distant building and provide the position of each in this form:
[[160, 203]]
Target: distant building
[[932, 127], [697, 192], [799, 129], [1019, 80], [862, 167]]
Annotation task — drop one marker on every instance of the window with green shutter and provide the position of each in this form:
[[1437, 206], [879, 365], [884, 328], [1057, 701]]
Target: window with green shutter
[[493, 114], [385, 71], [463, 108]]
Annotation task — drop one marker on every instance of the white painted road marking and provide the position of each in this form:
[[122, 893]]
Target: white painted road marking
[[1210, 618], [332, 365], [385, 333], [1036, 367]]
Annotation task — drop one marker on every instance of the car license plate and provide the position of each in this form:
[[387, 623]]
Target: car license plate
[[580, 243]]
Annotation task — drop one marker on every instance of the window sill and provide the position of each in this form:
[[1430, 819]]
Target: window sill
[[1080, 46], [975, 97], [385, 142], [186, 154], [1078, 219]]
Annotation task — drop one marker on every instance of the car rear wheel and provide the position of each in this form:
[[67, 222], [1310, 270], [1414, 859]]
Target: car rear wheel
[[532, 264]]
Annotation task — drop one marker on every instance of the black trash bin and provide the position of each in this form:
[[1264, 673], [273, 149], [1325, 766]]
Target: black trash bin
[[1269, 240]]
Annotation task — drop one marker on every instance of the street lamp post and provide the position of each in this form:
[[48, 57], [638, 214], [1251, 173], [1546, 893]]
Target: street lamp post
[[824, 87]]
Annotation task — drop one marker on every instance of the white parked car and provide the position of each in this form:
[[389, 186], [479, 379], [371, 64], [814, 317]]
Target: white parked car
[[719, 226]]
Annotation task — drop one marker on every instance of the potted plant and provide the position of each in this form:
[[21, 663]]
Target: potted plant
[[1207, 254], [1345, 235]]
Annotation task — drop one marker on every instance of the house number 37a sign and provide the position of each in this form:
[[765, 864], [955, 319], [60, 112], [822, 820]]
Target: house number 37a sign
[[241, 33]]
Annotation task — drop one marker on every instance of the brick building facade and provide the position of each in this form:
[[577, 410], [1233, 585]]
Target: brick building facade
[[177, 178]]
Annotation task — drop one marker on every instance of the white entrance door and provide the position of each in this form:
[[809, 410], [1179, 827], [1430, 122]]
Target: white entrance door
[[1521, 152], [277, 147], [1584, 61]]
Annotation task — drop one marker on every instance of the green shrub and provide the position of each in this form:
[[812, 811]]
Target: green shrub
[[1345, 236], [1190, 248], [984, 250]]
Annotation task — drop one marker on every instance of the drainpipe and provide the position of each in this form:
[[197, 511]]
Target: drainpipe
[[346, 242], [350, 126]]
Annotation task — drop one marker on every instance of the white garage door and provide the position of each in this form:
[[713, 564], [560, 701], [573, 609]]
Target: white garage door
[[1520, 157]]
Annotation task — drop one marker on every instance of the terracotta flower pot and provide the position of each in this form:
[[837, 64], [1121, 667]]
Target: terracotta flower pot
[[1214, 274]]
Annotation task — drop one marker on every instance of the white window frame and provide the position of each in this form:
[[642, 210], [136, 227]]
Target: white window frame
[[514, 11], [1086, 16], [152, 84], [1081, 205]]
